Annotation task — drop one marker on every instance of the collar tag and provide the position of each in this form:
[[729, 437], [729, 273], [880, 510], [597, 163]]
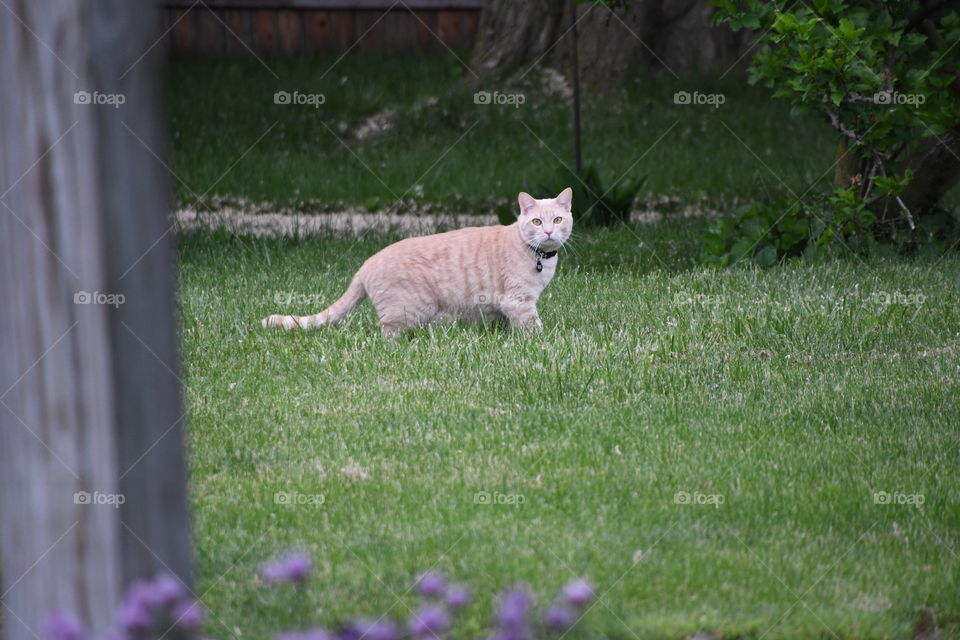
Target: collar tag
[[541, 254]]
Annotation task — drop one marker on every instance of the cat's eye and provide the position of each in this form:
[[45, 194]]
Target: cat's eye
[[557, 220], [536, 222]]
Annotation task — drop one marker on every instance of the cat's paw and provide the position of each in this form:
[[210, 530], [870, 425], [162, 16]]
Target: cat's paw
[[533, 327]]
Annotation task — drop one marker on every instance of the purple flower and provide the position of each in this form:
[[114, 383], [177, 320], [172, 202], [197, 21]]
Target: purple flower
[[458, 596], [295, 567], [429, 621], [514, 609], [578, 592], [431, 584], [188, 615], [167, 590], [559, 617], [349, 632], [134, 615], [377, 630], [141, 593], [309, 634], [62, 626]]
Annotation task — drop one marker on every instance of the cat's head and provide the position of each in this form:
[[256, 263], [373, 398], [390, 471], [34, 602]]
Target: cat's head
[[546, 224]]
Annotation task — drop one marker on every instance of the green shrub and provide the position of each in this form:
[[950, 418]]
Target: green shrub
[[884, 75], [767, 233]]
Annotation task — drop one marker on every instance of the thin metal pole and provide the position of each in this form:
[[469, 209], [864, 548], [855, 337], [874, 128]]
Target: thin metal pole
[[576, 86]]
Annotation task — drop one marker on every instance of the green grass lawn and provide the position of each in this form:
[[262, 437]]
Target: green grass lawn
[[786, 398], [465, 154], [794, 394]]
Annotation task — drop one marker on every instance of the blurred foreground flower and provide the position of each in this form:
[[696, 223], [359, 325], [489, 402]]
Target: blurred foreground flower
[[578, 592], [458, 596], [61, 626], [431, 584], [162, 608], [149, 609], [294, 567]]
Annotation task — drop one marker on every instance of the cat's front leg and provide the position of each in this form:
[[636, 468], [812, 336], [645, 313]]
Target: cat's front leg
[[525, 317]]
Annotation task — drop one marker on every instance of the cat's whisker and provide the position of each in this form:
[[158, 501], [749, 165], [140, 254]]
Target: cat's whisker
[[569, 247]]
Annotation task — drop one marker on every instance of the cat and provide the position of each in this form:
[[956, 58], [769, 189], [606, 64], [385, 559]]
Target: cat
[[480, 274]]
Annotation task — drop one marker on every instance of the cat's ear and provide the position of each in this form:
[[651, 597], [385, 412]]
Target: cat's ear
[[565, 199], [526, 202]]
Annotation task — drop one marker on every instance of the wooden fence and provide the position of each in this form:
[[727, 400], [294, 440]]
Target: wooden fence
[[223, 28]]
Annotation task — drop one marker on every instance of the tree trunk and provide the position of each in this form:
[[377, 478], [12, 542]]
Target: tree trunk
[[607, 47], [88, 414], [672, 36], [512, 34], [847, 167]]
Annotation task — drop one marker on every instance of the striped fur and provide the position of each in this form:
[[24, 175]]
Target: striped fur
[[478, 274]]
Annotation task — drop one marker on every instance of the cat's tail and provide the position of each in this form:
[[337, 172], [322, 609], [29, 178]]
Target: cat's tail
[[354, 295]]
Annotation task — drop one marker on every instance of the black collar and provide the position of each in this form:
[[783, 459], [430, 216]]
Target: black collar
[[542, 255]]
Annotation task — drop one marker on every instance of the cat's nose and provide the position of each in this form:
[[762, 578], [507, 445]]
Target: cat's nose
[[549, 233]]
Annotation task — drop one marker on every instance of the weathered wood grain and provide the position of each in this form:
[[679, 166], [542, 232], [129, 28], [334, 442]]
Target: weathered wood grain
[[87, 407]]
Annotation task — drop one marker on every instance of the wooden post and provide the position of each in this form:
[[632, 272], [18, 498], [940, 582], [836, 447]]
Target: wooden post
[[92, 474]]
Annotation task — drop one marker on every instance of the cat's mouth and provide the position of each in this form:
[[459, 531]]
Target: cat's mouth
[[549, 244]]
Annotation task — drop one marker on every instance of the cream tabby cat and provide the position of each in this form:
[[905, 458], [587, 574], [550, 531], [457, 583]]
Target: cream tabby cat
[[474, 274]]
